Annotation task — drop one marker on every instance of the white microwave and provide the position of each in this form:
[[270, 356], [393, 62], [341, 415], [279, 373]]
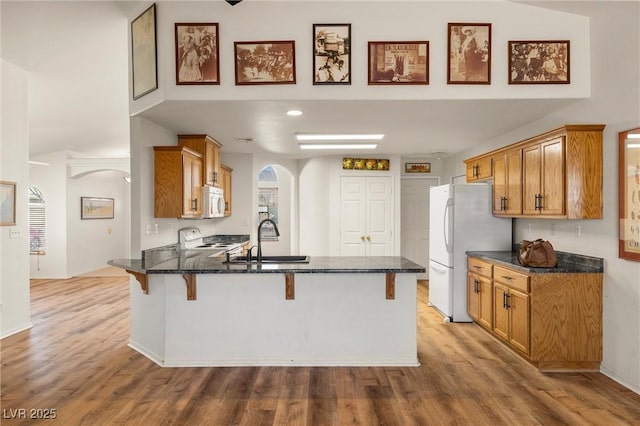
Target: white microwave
[[212, 202]]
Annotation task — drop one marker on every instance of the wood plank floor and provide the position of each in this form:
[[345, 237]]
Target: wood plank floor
[[76, 361]]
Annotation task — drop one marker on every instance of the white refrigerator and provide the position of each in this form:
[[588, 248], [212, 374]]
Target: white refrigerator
[[460, 219]]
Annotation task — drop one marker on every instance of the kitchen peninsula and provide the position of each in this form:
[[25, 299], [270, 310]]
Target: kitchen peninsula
[[192, 308]]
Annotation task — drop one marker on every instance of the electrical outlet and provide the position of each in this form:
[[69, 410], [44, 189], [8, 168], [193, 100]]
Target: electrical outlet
[[578, 231], [147, 229], [15, 234], [156, 228], [553, 228], [529, 228], [245, 222]]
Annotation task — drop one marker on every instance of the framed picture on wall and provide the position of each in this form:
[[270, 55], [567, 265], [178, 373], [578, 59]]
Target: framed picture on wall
[[265, 62], [143, 51], [629, 194], [539, 62], [331, 54], [398, 62], [469, 58], [197, 54], [96, 208], [7, 203]]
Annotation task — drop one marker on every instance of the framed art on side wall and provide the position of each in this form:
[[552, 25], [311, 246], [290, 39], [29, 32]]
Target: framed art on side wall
[[398, 62], [539, 62], [144, 55], [7, 203], [469, 59], [332, 54], [197, 54], [629, 194], [265, 62], [96, 208]]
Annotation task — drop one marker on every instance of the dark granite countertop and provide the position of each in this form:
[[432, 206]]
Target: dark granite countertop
[[170, 260], [567, 262]]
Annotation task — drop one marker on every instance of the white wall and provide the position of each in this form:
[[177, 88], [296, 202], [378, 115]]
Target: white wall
[[425, 20], [614, 102], [52, 182], [91, 243], [14, 154]]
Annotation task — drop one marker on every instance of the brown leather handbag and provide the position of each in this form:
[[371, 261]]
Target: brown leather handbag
[[538, 254]]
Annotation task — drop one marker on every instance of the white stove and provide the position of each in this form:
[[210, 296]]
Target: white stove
[[191, 239]]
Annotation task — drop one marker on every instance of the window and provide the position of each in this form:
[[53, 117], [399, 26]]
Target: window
[[268, 200], [37, 222]]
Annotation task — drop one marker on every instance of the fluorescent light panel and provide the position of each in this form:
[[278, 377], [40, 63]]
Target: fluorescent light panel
[[338, 137], [338, 145]]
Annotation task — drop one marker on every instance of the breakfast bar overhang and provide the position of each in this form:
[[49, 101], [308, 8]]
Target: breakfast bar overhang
[[196, 310]]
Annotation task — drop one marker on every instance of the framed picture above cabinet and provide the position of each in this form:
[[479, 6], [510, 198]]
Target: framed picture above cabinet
[[629, 194]]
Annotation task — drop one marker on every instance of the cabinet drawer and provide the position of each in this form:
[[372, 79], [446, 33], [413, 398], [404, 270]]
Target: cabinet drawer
[[511, 278], [480, 267]]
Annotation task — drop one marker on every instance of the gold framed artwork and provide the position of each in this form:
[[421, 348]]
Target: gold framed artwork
[[96, 208], [7, 203], [349, 163], [417, 167], [398, 62], [144, 53], [629, 194]]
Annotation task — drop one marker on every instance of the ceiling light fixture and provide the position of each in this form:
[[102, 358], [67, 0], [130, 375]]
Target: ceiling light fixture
[[38, 163], [338, 145], [294, 112], [339, 137]]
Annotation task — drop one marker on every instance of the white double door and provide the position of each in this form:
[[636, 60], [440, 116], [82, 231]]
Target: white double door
[[366, 216]]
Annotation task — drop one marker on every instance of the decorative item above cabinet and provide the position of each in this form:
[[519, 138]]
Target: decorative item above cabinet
[[209, 148], [557, 174]]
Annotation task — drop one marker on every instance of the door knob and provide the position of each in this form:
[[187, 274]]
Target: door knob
[[362, 237], [368, 238]]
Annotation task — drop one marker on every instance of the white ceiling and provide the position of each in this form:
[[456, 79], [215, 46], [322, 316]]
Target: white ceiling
[[79, 98]]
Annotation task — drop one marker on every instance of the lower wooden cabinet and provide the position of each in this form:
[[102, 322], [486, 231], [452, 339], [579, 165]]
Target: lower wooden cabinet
[[554, 320], [480, 293]]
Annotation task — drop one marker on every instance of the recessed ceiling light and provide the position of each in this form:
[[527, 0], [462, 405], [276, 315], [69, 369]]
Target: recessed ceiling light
[[338, 137], [294, 112], [338, 145]]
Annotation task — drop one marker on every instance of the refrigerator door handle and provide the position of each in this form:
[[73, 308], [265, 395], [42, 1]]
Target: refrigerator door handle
[[447, 222], [438, 268]]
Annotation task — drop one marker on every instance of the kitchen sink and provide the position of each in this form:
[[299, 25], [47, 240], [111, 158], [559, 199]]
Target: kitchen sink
[[270, 259]]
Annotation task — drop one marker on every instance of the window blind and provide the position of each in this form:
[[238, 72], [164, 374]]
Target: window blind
[[37, 222]]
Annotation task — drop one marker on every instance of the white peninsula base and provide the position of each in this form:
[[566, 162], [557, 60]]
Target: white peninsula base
[[335, 319]]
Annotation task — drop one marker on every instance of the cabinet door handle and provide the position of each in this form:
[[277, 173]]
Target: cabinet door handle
[[504, 300], [503, 203], [476, 286], [215, 177], [194, 204]]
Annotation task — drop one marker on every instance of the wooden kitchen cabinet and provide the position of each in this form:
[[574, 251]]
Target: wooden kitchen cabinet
[[511, 308], [226, 174], [478, 168], [177, 182], [554, 320], [507, 183], [543, 178], [209, 148], [480, 292], [561, 174]]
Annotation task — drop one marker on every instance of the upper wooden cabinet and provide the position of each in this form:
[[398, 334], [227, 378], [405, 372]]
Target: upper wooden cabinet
[[478, 168], [507, 183], [177, 182], [209, 148], [557, 174], [226, 174]]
